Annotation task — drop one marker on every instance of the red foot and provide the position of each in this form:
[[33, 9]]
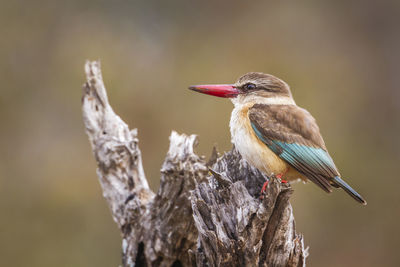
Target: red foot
[[263, 189], [279, 176]]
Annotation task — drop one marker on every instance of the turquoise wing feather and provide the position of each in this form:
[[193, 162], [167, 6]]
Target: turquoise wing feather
[[297, 141], [292, 133], [315, 163]]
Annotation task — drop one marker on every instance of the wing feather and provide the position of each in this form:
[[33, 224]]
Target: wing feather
[[292, 133]]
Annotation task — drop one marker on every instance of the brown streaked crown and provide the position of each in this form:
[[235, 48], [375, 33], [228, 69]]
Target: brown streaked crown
[[263, 84]]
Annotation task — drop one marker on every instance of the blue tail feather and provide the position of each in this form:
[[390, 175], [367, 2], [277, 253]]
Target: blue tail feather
[[338, 181]]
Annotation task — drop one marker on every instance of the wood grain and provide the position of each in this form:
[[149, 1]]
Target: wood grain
[[204, 213]]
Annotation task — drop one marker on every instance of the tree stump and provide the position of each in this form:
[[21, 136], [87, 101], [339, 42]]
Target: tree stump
[[204, 213]]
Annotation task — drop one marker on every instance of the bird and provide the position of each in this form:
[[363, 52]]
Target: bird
[[275, 135]]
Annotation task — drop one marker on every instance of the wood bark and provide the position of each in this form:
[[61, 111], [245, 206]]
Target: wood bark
[[204, 213]]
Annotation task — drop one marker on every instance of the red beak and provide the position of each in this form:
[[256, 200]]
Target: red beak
[[220, 90]]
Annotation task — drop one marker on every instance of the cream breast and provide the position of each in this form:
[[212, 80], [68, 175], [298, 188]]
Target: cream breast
[[249, 146]]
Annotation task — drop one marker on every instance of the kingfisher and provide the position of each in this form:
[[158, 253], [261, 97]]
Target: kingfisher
[[275, 135]]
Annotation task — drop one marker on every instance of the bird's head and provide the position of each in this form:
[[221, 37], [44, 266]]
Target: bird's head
[[251, 87]]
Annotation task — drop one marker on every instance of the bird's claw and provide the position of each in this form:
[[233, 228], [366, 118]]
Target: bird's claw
[[263, 190], [279, 176], [265, 185]]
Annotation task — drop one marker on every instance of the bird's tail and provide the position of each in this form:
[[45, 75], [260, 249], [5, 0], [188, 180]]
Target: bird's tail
[[349, 190]]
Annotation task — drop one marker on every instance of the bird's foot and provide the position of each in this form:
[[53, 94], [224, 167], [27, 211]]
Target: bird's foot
[[263, 190], [279, 176], [265, 185]]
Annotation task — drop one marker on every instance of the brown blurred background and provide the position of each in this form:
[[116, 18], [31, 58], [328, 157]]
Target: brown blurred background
[[341, 59]]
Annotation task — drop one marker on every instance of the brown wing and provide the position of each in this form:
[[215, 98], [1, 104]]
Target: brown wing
[[293, 134]]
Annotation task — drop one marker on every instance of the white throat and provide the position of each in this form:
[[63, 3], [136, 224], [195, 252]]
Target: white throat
[[253, 99]]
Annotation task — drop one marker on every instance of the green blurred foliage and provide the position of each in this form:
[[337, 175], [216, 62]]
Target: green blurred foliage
[[341, 59]]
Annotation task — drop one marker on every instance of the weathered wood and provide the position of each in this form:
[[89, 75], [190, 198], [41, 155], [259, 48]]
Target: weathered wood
[[204, 214]]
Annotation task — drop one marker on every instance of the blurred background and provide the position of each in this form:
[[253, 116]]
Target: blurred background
[[341, 59]]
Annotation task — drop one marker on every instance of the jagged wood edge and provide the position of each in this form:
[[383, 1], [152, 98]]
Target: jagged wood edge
[[161, 229]]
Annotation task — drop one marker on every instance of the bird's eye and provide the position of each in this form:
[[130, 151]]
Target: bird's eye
[[250, 86]]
